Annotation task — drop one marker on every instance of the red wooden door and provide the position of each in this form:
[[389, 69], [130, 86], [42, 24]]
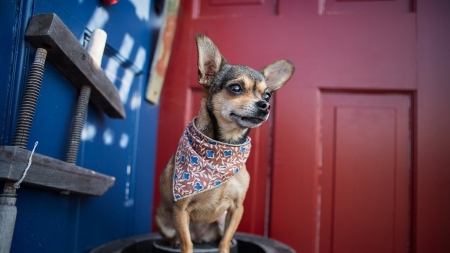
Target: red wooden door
[[364, 172], [342, 154], [322, 198]]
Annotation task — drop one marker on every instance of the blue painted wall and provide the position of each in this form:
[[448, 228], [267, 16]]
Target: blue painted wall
[[48, 221]]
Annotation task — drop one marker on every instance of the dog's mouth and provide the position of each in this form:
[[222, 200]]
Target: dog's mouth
[[254, 120], [247, 121]]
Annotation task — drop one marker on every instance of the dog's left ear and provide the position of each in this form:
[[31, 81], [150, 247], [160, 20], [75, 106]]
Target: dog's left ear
[[277, 74], [209, 59]]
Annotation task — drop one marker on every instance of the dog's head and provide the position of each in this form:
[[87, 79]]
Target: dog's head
[[236, 95]]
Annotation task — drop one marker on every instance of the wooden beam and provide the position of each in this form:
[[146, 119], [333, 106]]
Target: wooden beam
[[67, 54], [51, 173]]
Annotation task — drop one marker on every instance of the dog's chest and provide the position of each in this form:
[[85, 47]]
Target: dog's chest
[[211, 205]]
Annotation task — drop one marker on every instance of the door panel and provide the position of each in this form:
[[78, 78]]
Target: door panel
[[364, 177], [337, 7]]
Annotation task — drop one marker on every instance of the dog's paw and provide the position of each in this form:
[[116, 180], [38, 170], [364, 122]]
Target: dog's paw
[[174, 243], [224, 248], [187, 248]]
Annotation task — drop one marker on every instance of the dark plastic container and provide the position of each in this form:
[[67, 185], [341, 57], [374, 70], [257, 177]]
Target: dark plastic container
[[153, 243]]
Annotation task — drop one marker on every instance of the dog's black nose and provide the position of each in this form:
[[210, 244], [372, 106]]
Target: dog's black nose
[[264, 105]]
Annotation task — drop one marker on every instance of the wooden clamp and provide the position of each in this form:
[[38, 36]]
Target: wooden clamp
[[68, 55], [55, 41]]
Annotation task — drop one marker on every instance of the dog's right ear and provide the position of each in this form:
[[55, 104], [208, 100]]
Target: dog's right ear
[[209, 59]]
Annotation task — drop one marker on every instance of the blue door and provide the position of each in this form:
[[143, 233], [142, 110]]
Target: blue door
[[48, 221]]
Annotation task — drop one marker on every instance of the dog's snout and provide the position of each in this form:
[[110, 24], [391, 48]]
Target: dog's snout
[[264, 105]]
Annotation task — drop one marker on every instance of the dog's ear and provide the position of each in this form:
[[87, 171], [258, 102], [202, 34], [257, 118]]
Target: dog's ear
[[277, 74], [209, 59]]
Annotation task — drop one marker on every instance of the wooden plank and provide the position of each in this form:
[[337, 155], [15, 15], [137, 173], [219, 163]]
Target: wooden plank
[[51, 173], [69, 56], [163, 51]]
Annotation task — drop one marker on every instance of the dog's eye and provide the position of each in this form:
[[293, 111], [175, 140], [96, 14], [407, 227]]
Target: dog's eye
[[235, 88], [266, 96]]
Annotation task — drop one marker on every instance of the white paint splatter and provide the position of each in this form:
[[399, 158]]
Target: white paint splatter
[[129, 203], [89, 131], [127, 45], [135, 102], [142, 9], [108, 137], [128, 78], [125, 85], [113, 65], [111, 70], [140, 57], [98, 19], [124, 140]]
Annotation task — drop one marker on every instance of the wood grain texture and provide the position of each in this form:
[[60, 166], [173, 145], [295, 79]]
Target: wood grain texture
[[51, 173], [68, 55], [8, 214]]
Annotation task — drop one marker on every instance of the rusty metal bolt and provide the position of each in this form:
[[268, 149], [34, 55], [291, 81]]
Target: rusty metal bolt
[[78, 122], [30, 98]]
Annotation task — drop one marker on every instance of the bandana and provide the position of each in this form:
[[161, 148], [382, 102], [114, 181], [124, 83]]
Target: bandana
[[202, 163]]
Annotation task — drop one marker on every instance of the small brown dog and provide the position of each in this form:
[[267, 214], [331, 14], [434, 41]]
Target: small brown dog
[[203, 186]]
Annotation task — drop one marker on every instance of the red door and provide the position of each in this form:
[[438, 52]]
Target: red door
[[348, 176], [348, 162], [364, 172]]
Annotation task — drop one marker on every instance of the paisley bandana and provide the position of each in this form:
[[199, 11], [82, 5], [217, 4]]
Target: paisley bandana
[[202, 163]]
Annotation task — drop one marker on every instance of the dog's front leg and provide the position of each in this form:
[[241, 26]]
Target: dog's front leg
[[232, 220], [181, 219]]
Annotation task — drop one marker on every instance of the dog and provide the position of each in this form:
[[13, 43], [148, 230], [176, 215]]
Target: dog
[[203, 186]]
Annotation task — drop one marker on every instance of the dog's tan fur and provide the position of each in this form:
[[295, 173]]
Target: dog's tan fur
[[226, 116]]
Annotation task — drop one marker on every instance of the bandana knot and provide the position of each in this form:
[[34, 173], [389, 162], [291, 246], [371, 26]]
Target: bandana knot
[[202, 163]]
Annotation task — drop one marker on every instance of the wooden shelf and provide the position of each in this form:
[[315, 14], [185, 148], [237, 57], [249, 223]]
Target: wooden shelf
[[51, 173]]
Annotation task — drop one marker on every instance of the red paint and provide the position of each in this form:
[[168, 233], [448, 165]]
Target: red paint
[[346, 52], [108, 2], [230, 8], [349, 52], [365, 172], [433, 135], [362, 0], [235, 2]]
